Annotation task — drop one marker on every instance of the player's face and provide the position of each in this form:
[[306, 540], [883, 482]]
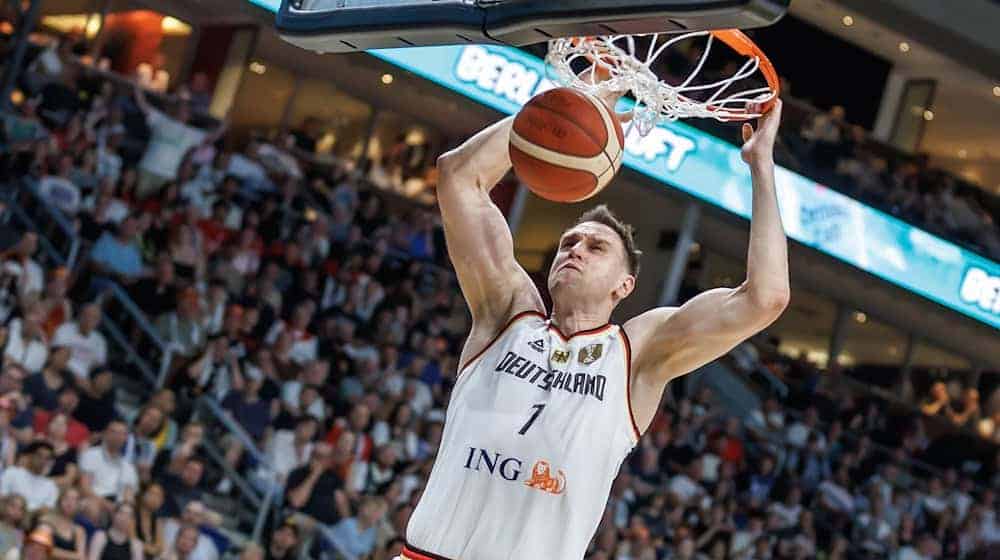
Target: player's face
[[590, 262]]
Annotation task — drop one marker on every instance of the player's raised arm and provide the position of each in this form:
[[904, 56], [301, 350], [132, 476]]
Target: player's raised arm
[[670, 342], [479, 242]]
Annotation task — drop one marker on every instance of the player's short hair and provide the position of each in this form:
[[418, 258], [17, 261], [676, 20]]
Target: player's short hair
[[602, 215]]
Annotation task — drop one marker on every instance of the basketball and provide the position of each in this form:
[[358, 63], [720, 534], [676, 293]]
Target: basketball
[[566, 145]]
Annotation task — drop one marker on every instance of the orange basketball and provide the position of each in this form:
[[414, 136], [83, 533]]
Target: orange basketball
[[566, 145]]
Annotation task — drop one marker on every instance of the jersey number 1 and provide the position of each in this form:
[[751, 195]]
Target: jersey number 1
[[534, 415]]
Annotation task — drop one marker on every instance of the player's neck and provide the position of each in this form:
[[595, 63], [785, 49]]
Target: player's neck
[[570, 321]]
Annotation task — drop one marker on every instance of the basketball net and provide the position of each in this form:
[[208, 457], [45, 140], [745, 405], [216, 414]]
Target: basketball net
[[616, 67]]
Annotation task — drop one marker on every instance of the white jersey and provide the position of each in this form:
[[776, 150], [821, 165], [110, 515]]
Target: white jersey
[[537, 428]]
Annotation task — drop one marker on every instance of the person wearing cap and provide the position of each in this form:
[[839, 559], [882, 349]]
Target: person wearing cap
[[30, 481]]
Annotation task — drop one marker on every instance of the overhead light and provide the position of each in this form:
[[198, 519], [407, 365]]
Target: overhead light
[[860, 317], [257, 67], [963, 153], [387, 79], [928, 115], [893, 350], [173, 26], [848, 21], [904, 47], [17, 97], [996, 91]]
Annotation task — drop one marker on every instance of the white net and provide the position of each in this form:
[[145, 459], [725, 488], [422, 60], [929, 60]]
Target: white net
[[628, 68]]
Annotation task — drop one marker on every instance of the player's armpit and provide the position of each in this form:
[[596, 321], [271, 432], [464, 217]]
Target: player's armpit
[[670, 342]]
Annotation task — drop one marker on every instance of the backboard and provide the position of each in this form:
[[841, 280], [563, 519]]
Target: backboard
[[337, 26]]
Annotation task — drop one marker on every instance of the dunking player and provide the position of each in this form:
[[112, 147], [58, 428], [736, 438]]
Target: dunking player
[[546, 406]]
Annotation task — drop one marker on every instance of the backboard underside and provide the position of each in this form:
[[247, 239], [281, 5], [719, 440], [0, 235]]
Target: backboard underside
[[338, 26]]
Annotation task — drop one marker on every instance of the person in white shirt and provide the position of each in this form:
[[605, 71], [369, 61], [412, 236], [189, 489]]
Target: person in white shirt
[[26, 341], [286, 451], [104, 470], [30, 481], [304, 344], [171, 138], [88, 348]]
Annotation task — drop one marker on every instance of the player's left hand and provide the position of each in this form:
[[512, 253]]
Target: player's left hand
[[758, 145]]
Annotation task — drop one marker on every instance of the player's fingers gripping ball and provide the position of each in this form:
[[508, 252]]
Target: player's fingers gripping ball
[[566, 145]]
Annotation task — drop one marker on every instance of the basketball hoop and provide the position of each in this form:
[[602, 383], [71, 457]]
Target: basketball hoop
[[616, 67]]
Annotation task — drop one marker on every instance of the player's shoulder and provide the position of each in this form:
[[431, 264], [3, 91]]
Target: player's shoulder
[[642, 326]]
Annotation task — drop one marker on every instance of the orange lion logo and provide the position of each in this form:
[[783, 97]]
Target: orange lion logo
[[541, 479]]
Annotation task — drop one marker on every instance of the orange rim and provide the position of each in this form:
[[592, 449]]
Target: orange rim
[[739, 42]]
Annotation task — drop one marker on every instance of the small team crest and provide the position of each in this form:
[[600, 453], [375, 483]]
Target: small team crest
[[560, 356], [590, 354]]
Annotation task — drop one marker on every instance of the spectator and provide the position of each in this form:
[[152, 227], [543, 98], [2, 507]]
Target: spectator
[[172, 137], [76, 434], [968, 414], [88, 348], [118, 540], [117, 257], [69, 540], [30, 481], [183, 327], [194, 515], [183, 485], [27, 344], [184, 545], [354, 537], [315, 491], [149, 522], [98, 401], [284, 542], [44, 386], [11, 534], [106, 473]]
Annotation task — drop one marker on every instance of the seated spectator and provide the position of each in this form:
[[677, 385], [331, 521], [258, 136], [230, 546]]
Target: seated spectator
[[184, 327], [43, 387], [30, 481], [38, 544], [288, 450], [117, 257], [27, 344], [57, 189], [284, 543], [57, 307], [64, 470], [69, 539], [77, 433], [156, 294], [105, 472], [88, 348], [354, 537], [194, 515], [316, 491], [118, 541], [149, 522], [304, 345], [98, 401], [183, 485], [11, 534], [184, 545], [141, 449]]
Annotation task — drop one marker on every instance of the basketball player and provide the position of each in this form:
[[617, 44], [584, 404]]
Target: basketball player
[[547, 404]]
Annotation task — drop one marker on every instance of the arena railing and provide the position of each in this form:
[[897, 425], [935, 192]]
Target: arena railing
[[208, 409], [47, 221]]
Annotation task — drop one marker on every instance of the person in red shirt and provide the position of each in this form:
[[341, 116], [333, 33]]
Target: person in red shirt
[[76, 433], [214, 230]]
